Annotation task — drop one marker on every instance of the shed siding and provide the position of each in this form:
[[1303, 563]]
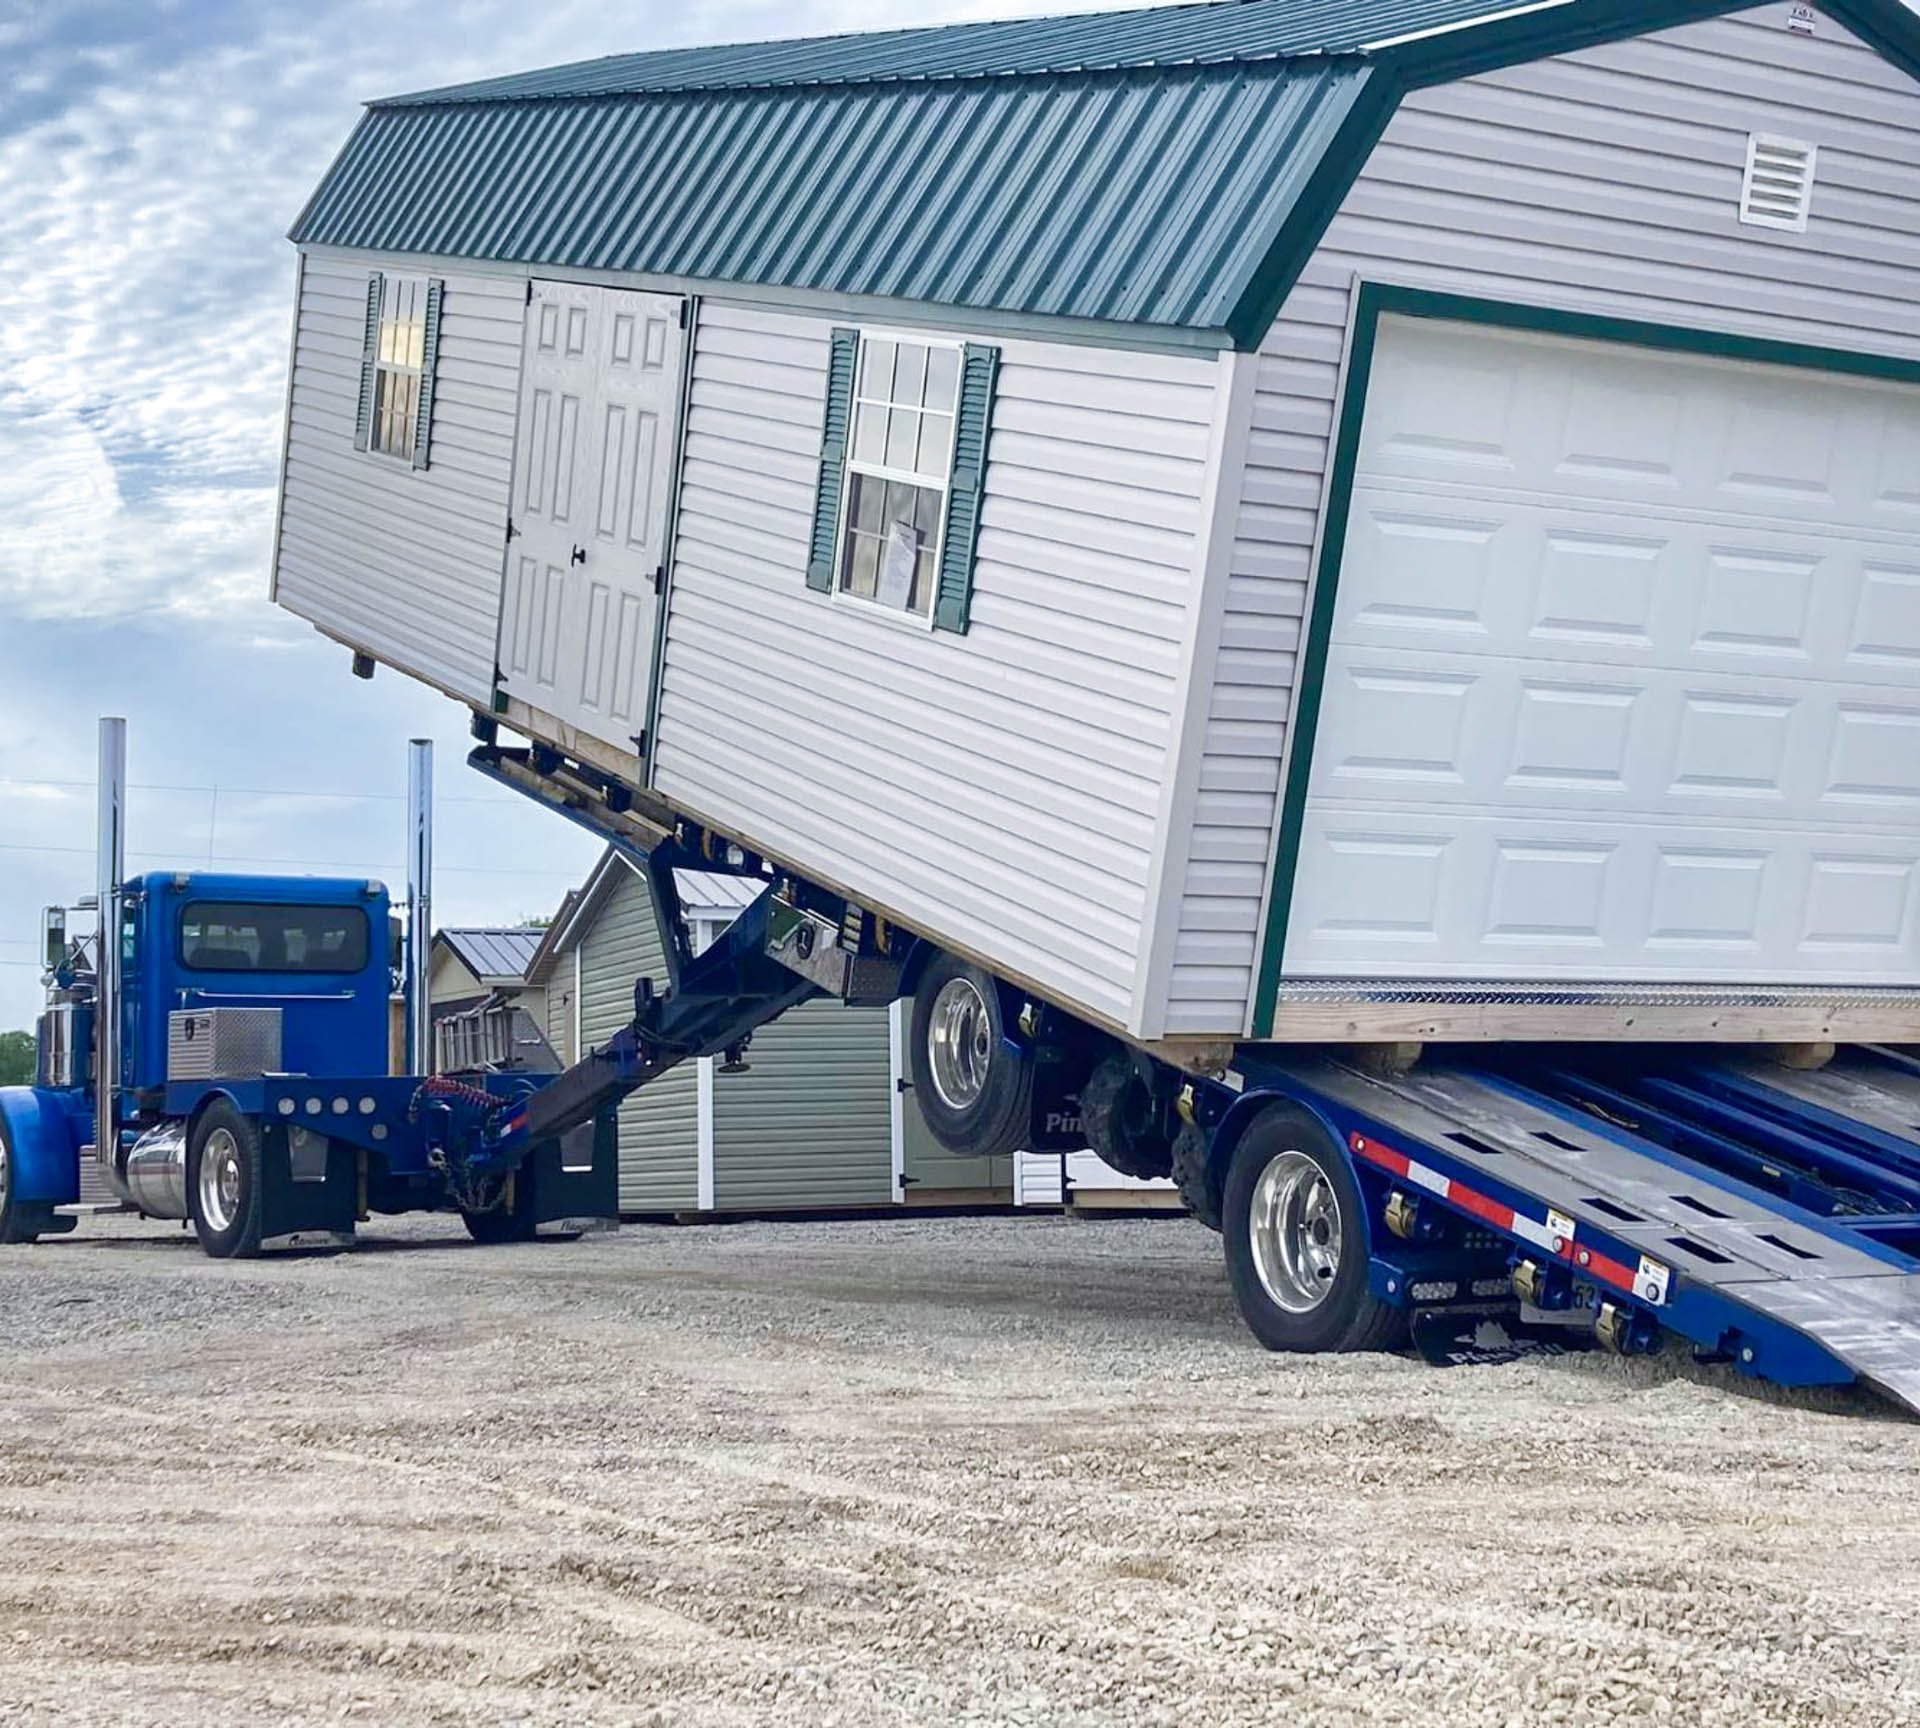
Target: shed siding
[[1002, 787], [809, 1124], [402, 562], [559, 1015], [1604, 182], [659, 1129]]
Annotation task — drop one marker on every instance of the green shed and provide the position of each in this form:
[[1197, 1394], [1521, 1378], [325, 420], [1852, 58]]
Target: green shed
[[819, 1121]]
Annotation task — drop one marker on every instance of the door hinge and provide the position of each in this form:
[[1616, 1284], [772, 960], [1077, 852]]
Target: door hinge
[[660, 579], [640, 742], [529, 290], [512, 531], [686, 313], [903, 1086]]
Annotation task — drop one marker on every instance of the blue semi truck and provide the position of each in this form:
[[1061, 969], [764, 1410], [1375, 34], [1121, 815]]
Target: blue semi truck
[[220, 1052]]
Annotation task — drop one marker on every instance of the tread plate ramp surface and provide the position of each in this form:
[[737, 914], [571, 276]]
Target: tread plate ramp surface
[[1858, 1305]]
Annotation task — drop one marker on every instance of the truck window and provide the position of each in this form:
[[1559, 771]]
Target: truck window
[[231, 937]]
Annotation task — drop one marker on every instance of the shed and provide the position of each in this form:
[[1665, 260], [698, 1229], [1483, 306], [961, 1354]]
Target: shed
[[816, 1123], [484, 1010], [1248, 519]]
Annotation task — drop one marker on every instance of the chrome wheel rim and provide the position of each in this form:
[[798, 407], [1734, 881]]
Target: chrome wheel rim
[[960, 1043], [220, 1180], [1295, 1230], [6, 1173]]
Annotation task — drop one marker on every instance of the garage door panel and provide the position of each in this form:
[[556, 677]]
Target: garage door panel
[[1605, 424], [1479, 732], [1442, 895], [1624, 677], [1538, 580]]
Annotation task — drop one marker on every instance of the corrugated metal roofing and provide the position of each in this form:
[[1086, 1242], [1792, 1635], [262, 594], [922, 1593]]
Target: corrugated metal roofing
[[1142, 197], [494, 954], [713, 894], [1219, 32]]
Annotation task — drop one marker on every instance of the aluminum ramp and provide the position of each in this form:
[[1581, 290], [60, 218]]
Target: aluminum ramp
[[1777, 1286]]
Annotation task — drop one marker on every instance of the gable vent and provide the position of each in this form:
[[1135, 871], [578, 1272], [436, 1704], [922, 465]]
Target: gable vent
[[1778, 190]]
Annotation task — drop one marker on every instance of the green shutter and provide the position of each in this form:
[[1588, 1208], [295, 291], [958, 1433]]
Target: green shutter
[[979, 370], [429, 360], [825, 553], [369, 363]]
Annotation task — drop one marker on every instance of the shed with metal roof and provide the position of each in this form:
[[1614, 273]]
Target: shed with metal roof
[[1357, 519]]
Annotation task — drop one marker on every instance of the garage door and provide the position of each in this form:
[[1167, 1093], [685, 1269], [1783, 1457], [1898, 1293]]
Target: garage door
[[1624, 681]]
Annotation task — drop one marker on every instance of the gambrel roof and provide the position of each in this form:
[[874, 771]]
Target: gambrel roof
[[1171, 167]]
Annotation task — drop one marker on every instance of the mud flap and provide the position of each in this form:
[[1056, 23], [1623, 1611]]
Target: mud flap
[[578, 1175], [311, 1183]]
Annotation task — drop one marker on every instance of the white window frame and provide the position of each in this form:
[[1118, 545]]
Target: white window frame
[[880, 471], [384, 368]]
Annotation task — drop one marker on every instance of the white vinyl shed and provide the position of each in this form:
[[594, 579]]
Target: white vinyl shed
[[1388, 518]]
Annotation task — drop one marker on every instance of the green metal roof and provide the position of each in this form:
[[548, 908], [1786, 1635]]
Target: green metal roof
[[1170, 167], [1220, 32]]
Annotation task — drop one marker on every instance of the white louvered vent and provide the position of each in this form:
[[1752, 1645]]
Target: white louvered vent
[[1778, 190]]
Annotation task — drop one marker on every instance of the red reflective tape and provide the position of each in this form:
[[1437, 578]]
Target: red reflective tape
[[1592, 1261], [1489, 1211], [1384, 1156]]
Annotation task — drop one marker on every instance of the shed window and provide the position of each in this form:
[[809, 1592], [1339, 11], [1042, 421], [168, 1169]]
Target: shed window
[[397, 365], [899, 465]]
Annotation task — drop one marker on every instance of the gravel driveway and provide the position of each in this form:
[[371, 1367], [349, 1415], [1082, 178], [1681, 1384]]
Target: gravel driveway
[[907, 1471]]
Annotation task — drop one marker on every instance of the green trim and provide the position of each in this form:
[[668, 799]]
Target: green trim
[[1377, 301], [972, 431], [823, 556], [1346, 153], [429, 370]]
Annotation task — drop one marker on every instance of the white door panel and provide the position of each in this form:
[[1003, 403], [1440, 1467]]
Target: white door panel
[[599, 396], [1624, 680]]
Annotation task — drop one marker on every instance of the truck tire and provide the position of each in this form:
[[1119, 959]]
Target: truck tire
[[1193, 1176], [225, 1174], [973, 1084], [19, 1224], [1121, 1121], [1296, 1241]]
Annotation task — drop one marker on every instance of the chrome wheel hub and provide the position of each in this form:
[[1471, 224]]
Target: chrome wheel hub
[[960, 1044], [1295, 1231], [6, 1176], [220, 1180]]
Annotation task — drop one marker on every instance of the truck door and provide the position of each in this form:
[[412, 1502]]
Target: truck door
[[599, 404]]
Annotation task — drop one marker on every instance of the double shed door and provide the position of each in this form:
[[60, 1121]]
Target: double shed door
[[599, 400]]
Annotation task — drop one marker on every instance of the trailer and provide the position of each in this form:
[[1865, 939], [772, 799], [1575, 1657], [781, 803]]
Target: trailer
[[220, 1054]]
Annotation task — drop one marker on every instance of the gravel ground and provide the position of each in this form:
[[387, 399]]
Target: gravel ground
[[908, 1471]]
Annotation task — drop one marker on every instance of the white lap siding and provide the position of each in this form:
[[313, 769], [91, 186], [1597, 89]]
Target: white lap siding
[[1003, 788], [404, 563], [1603, 182]]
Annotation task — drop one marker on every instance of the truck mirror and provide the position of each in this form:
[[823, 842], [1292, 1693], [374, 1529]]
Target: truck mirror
[[56, 949]]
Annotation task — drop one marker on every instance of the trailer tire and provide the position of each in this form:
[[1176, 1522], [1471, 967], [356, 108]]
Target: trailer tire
[[1296, 1241], [225, 1178], [1193, 1174], [974, 1085], [19, 1224], [1120, 1119]]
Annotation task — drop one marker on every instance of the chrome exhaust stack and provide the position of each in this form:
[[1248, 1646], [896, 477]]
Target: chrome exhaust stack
[[111, 865], [419, 904]]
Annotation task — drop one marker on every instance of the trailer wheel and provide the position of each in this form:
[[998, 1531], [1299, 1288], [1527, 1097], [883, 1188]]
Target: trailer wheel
[[1121, 1121], [18, 1225], [973, 1084], [1193, 1175], [224, 1178], [1296, 1241]]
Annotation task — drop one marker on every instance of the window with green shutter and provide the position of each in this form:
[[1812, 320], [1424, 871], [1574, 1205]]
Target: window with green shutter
[[399, 356], [902, 467]]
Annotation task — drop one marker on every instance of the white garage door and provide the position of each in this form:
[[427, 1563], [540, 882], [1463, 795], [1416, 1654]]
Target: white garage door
[[1625, 673]]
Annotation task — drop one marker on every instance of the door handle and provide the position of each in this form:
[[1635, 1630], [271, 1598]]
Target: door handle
[[579, 555]]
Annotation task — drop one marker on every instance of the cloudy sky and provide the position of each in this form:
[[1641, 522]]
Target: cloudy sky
[[152, 156]]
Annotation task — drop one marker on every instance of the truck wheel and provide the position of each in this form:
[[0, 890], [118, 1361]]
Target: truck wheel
[[1296, 1241], [1192, 1175], [511, 1221], [224, 1177], [1121, 1122], [974, 1086], [18, 1223]]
